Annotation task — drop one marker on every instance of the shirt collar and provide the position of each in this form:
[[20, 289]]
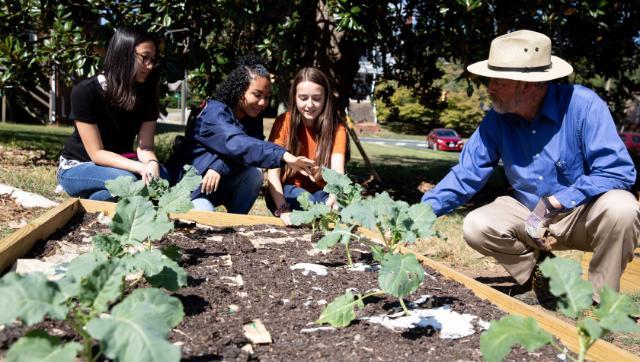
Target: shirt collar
[[549, 107]]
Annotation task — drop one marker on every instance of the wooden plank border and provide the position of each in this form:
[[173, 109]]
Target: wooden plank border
[[20, 242], [630, 280]]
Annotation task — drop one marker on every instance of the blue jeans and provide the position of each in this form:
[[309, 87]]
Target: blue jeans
[[87, 180], [237, 192]]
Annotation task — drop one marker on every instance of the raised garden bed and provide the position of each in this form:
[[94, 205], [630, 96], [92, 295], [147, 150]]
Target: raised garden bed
[[286, 301]]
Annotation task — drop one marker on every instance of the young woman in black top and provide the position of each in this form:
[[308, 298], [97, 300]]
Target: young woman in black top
[[109, 111]]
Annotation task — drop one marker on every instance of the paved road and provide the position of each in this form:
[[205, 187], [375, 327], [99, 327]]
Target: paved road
[[395, 142]]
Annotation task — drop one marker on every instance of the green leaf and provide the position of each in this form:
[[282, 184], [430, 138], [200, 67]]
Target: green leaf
[[614, 311], [502, 335], [157, 187], [360, 213], [40, 346], [340, 312], [312, 211], [126, 186], [103, 286], [400, 275], [178, 198], [160, 270], [565, 282], [423, 218], [340, 233], [590, 327], [134, 220], [172, 252], [80, 268], [109, 244], [336, 182], [30, 298], [137, 327], [162, 226], [377, 252]]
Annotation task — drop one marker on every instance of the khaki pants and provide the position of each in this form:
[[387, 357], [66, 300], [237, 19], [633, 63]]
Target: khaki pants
[[608, 226]]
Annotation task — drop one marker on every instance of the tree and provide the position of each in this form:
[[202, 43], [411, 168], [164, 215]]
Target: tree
[[406, 37]]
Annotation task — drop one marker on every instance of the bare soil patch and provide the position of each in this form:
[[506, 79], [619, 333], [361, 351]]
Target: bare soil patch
[[286, 301]]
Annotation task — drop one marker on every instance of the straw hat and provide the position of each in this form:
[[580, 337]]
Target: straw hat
[[522, 55]]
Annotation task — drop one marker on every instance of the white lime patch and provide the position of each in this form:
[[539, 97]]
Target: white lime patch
[[309, 267], [26, 199], [452, 325]]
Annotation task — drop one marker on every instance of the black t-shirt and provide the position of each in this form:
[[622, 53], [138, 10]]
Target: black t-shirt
[[118, 128]]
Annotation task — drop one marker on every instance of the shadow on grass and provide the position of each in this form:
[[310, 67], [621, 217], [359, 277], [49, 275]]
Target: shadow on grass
[[401, 176], [51, 143]]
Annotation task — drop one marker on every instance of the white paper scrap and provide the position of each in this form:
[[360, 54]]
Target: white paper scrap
[[311, 330], [309, 267], [452, 325]]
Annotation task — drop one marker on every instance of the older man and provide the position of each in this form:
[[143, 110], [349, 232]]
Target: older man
[[561, 153]]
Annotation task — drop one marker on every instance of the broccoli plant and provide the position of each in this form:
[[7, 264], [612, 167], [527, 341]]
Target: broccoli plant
[[90, 297], [396, 223], [575, 301]]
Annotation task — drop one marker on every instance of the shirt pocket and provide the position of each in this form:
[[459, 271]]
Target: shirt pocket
[[569, 169]]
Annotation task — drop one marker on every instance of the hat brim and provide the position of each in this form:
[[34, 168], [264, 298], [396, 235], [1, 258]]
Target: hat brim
[[559, 68]]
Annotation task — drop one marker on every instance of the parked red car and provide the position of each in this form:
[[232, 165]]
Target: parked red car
[[444, 139], [632, 141]]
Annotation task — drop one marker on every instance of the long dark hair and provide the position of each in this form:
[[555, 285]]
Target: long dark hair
[[123, 91], [325, 126], [234, 86]]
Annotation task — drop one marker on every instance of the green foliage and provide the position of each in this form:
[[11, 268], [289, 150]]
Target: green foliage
[[509, 331], [66, 36], [575, 298], [30, 298], [40, 346], [400, 109], [136, 327], [566, 282], [400, 274], [340, 312], [396, 221]]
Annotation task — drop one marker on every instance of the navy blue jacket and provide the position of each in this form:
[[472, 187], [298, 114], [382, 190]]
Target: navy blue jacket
[[219, 141]]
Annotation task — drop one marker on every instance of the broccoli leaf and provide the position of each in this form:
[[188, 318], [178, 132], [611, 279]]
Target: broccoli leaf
[[137, 327], [103, 286], [502, 335], [565, 282], [340, 233], [159, 270], [30, 298], [614, 311], [340, 312], [134, 220], [40, 346], [400, 275], [109, 244], [126, 186]]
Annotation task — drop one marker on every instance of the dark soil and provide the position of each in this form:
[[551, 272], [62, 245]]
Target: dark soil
[[286, 301]]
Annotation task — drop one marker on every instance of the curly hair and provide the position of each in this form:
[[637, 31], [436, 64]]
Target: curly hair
[[234, 86]]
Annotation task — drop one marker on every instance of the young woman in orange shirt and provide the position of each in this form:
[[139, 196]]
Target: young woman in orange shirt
[[311, 128]]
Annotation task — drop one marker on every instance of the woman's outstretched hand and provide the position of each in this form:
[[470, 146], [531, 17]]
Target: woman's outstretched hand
[[301, 164]]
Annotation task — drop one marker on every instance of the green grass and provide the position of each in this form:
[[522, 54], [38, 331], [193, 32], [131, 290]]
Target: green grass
[[35, 137]]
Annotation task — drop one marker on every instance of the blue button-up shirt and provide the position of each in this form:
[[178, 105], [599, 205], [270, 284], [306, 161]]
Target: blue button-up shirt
[[570, 150]]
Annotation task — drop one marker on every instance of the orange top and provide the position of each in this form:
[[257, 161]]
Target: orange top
[[307, 137]]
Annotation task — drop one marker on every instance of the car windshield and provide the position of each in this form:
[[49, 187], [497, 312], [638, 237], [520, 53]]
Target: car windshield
[[447, 133]]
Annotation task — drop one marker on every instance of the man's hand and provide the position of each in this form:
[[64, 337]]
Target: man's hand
[[537, 222], [210, 182]]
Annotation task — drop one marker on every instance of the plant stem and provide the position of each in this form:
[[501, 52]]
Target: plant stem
[[346, 246], [382, 234], [584, 345], [404, 307]]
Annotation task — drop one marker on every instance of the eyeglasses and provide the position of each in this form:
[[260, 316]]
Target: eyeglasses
[[148, 60]]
